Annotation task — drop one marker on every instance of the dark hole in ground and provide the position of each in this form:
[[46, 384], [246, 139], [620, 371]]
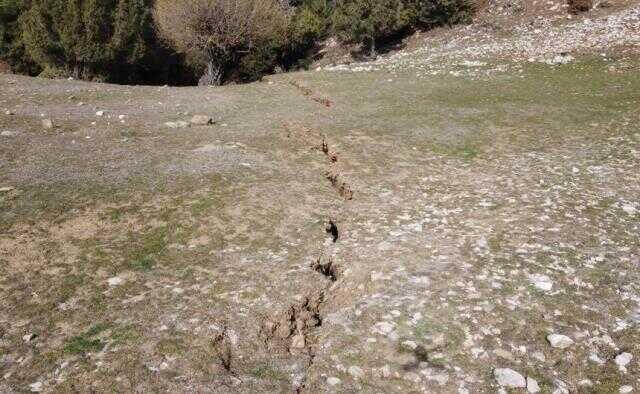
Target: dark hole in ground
[[333, 230], [328, 269]]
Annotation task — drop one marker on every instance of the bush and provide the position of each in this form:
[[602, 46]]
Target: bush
[[370, 21], [578, 6], [429, 13], [217, 34], [309, 24], [112, 40], [12, 49]]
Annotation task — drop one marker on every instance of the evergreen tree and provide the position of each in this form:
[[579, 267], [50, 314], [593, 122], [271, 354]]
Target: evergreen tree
[[367, 21], [12, 49]]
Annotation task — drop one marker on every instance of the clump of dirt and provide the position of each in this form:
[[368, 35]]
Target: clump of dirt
[[333, 156], [341, 186], [290, 331], [327, 268]]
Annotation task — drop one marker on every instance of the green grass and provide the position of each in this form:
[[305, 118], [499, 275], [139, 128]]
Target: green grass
[[86, 342]]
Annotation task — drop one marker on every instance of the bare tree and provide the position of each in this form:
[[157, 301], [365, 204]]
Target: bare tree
[[215, 32]]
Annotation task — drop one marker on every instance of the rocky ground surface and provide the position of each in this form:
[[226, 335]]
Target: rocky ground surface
[[382, 231], [509, 33]]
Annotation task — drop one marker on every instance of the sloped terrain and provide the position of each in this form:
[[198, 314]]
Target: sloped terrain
[[379, 231]]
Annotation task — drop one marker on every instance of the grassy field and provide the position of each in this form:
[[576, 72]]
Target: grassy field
[[138, 257]]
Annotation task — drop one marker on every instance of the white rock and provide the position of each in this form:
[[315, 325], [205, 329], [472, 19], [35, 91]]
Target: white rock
[[7, 133], [532, 385], [201, 120], [100, 113], [622, 360], [539, 356], [28, 337], [356, 371], [625, 389], [412, 377], [629, 209], [298, 341], [333, 381], [47, 124], [507, 377], [595, 358], [559, 341], [36, 387], [541, 282], [115, 281], [410, 344], [384, 327], [180, 124]]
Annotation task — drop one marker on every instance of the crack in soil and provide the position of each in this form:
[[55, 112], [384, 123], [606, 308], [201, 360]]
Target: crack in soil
[[309, 93], [316, 140], [340, 185], [332, 229], [293, 330], [327, 268], [224, 352]]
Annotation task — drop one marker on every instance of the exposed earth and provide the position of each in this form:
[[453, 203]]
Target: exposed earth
[[378, 227]]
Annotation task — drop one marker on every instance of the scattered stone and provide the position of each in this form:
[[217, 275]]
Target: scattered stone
[[541, 282], [595, 358], [28, 337], [629, 209], [5, 189], [100, 113], [532, 385], [47, 124], [298, 341], [539, 356], [115, 281], [356, 372], [622, 360], [625, 389], [9, 113], [559, 341], [36, 387], [385, 328], [180, 124], [410, 345], [333, 381], [585, 382], [201, 120], [7, 133], [412, 377], [504, 354], [507, 377]]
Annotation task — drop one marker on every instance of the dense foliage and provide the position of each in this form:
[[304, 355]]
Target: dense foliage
[[117, 40]]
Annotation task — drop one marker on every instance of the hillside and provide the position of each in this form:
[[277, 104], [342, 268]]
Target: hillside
[[458, 216]]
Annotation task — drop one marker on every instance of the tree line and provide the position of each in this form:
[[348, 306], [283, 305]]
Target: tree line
[[210, 41]]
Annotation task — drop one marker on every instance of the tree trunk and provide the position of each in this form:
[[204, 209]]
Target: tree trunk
[[372, 48], [212, 75]]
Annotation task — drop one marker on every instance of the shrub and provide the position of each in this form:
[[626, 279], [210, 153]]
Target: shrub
[[12, 49], [429, 13], [367, 21], [577, 6], [112, 40], [308, 25], [218, 33]]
